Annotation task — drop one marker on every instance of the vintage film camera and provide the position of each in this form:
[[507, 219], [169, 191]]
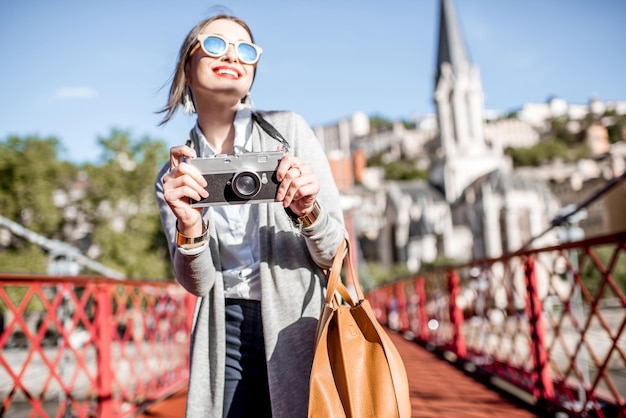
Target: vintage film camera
[[239, 178]]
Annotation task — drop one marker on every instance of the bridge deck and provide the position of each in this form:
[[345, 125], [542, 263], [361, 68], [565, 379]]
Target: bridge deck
[[438, 389]]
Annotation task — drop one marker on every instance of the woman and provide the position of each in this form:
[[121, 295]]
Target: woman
[[257, 269]]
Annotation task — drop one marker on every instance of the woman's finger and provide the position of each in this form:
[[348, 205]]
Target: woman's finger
[[184, 193], [286, 164], [291, 174], [192, 172], [178, 153], [187, 184], [305, 187]]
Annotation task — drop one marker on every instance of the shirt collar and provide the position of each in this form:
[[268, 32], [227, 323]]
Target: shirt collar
[[243, 131]]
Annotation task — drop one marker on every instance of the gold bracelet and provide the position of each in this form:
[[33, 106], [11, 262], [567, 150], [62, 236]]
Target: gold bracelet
[[188, 243], [309, 218]]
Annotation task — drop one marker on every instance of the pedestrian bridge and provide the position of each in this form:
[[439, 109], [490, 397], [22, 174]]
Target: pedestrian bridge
[[438, 389], [539, 332]]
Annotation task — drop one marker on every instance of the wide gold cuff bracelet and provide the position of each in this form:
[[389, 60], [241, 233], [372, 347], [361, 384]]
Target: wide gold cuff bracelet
[[188, 243], [309, 218]]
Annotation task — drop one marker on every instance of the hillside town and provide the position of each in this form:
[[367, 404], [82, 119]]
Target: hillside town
[[475, 203], [473, 200]]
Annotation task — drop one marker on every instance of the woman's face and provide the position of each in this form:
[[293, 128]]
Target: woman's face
[[223, 75]]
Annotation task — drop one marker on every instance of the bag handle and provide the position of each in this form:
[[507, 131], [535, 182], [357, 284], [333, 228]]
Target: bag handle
[[334, 283]]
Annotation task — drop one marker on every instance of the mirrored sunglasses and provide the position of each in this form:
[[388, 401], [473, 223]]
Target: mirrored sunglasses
[[216, 46]]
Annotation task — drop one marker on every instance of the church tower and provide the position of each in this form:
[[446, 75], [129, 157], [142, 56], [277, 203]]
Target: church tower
[[462, 152]]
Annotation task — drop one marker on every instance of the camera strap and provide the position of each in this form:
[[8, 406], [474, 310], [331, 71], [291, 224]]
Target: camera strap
[[260, 120], [269, 129]]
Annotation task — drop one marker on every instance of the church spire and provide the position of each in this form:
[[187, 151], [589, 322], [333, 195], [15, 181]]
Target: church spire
[[463, 154], [451, 44]]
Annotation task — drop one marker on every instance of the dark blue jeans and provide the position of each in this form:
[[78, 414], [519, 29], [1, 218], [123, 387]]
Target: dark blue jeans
[[246, 391]]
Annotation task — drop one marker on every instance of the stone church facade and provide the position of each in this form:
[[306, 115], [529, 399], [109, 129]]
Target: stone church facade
[[472, 206]]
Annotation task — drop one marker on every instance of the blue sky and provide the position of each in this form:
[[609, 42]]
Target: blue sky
[[75, 69]]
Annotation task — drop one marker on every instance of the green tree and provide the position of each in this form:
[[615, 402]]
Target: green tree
[[397, 170], [560, 131], [593, 278], [23, 257], [545, 151], [379, 123], [31, 175], [122, 206], [378, 274], [615, 133], [409, 124], [404, 170], [114, 199]]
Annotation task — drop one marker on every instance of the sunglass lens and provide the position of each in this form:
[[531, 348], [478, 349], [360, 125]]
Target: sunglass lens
[[247, 53], [214, 45]]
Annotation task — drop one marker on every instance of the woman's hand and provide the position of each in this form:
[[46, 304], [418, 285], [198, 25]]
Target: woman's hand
[[299, 185], [181, 183]]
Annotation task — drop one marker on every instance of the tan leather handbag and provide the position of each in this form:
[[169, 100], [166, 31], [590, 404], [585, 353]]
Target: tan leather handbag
[[357, 371]]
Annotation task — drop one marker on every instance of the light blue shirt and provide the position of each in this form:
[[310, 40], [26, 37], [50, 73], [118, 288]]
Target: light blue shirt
[[237, 225]]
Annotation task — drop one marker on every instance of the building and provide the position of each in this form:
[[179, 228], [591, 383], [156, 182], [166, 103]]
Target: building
[[473, 204]]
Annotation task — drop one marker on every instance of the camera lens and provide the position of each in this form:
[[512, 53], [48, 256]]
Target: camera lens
[[246, 184]]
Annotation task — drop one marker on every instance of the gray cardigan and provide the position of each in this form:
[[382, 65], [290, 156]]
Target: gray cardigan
[[292, 284]]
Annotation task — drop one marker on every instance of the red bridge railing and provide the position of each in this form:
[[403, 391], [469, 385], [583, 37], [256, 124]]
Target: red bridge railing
[[548, 323], [90, 346]]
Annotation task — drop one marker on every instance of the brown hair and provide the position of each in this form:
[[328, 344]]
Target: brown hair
[[179, 80]]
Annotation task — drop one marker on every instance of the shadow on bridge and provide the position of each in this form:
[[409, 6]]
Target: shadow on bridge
[[438, 389]]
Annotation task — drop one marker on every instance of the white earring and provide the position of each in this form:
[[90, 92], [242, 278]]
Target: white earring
[[188, 106]]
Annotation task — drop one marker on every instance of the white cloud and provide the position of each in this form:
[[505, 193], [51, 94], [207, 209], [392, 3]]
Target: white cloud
[[76, 93]]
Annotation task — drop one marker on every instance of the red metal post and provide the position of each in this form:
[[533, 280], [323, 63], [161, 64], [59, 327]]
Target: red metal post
[[377, 298], [372, 296], [190, 304], [421, 308], [104, 339], [403, 318], [383, 303], [456, 315], [544, 388]]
